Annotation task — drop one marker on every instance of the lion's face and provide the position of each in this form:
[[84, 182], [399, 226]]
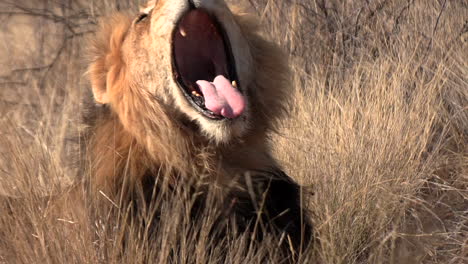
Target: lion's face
[[188, 58]]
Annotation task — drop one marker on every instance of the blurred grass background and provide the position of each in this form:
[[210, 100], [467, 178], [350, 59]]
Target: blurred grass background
[[378, 129]]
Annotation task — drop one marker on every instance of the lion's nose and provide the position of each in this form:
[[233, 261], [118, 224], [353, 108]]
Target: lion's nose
[[202, 3], [192, 5]]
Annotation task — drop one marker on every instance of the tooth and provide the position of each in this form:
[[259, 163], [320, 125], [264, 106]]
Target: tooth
[[182, 32], [234, 83], [196, 93]]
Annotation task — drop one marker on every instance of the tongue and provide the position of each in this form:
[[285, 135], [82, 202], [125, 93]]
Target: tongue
[[221, 97]]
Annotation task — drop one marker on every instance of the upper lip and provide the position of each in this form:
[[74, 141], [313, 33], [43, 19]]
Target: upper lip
[[200, 50]]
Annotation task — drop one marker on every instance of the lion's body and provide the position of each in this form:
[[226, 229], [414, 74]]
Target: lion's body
[[146, 137]]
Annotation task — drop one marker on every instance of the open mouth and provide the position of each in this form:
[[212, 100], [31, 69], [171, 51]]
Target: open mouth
[[203, 66]]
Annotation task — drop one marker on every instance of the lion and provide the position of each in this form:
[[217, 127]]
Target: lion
[[186, 92]]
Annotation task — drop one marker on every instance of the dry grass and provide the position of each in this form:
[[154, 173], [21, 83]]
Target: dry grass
[[379, 131]]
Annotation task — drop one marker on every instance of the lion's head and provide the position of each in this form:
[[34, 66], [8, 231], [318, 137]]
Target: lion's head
[[185, 62]]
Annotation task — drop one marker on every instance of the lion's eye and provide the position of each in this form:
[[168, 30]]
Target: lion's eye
[[141, 17]]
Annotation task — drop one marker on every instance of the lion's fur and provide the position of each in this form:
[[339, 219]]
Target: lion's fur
[[160, 134], [142, 125]]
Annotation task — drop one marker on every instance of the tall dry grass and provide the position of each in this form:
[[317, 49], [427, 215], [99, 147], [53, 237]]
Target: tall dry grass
[[378, 131]]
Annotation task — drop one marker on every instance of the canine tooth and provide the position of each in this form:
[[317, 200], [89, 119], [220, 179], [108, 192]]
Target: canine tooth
[[182, 32], [234, 83]]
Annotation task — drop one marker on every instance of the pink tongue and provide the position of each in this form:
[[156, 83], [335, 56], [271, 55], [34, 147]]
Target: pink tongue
[[221, 97]]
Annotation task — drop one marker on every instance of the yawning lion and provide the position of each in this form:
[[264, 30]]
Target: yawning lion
[[186, 93]]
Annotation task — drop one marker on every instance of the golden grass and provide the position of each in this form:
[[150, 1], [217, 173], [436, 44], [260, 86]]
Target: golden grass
[[378, 130]]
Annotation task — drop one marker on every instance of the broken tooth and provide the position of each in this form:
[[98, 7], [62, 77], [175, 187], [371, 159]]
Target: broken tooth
[[234, 83], [182, 32]]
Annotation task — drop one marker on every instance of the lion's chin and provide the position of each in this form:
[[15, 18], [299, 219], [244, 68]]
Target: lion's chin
[[217, 131], [223, 132]]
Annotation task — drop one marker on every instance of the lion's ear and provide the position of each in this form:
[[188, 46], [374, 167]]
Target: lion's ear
[[106, 66], [98, 81]]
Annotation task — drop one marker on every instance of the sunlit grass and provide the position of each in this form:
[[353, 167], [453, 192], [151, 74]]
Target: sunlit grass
[[377, 132]]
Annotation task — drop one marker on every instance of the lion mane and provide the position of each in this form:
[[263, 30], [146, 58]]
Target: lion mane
[[142, 135]]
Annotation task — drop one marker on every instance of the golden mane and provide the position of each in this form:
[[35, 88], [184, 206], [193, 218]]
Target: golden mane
[[156, 139], [140, 129]]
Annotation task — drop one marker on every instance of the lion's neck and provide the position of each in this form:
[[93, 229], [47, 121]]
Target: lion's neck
[[117, 157]]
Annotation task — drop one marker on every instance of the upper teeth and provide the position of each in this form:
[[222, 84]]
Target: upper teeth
[[234, 83], [196, 93], [182, 32]]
